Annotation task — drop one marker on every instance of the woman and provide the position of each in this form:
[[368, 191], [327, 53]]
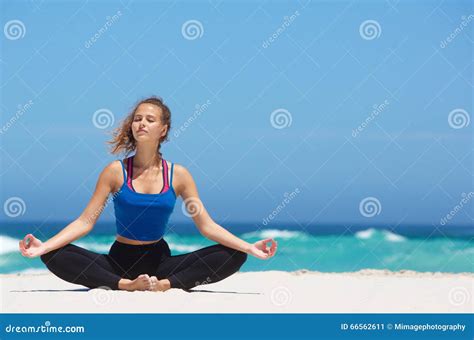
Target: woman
[[140, 258]]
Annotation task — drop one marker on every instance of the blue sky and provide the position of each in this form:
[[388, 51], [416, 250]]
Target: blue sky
[[321, 68]]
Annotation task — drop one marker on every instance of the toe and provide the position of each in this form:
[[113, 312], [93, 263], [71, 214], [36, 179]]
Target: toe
[[144, 277]]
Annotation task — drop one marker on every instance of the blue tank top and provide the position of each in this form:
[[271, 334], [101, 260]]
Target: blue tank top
[[139, 216]]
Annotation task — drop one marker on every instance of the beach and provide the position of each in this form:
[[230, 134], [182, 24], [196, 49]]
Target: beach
[[364, 291]]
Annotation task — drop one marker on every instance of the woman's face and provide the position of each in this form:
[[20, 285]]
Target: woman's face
[[147, 125]]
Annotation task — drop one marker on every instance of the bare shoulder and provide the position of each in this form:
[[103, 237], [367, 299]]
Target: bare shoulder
[[180, 170], [181, 178], [113, 175]]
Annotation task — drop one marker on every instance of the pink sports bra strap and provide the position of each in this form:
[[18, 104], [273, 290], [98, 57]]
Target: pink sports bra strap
[[129, 172], [165, 175]]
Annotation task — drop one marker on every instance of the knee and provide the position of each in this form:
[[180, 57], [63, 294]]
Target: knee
[[48, 258], [239, 258], [233, 258]]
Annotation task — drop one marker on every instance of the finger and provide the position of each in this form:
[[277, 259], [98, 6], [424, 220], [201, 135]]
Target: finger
[[273, 241], [32, 238], [274, 244], [268, 240], [267, 249], [25, 241]]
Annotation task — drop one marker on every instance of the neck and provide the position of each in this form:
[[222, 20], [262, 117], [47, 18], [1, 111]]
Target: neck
[[146, 157]]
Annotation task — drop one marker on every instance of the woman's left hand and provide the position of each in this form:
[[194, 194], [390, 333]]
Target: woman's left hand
[[260, 250]]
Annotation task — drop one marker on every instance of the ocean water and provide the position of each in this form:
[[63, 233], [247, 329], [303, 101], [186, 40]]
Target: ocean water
[[326, 249]]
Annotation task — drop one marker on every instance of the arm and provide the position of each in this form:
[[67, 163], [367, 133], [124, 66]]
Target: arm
[[79, 227], [210, 229]]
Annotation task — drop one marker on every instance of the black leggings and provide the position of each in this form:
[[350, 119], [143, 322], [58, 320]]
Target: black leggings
[[81, 266]]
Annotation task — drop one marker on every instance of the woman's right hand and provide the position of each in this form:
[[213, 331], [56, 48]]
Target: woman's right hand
[[33, 248]]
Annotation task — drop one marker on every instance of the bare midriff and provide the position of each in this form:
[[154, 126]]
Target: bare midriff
[[122, 239]]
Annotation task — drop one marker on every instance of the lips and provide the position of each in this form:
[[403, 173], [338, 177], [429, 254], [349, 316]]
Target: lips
[[141, 130]]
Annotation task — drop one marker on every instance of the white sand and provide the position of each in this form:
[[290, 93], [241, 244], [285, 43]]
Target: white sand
[[367, 291]]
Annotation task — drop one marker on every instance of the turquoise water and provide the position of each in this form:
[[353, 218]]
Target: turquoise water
[[364, 249]]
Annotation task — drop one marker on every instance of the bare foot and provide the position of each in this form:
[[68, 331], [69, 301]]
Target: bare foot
[[159, 285], [142, 282]]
